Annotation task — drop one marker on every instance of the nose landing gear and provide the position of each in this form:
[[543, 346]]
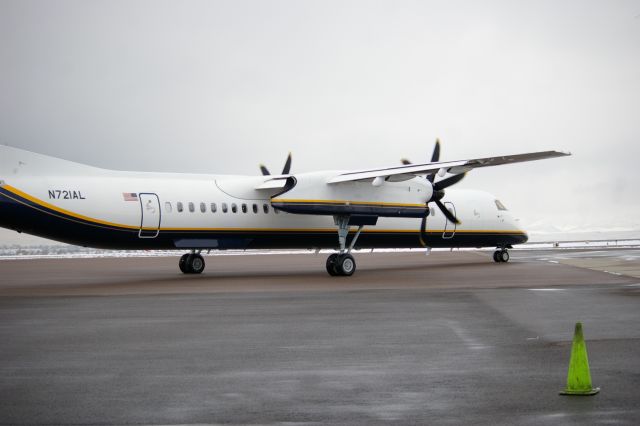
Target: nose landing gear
[[191, 263], [501, 255]]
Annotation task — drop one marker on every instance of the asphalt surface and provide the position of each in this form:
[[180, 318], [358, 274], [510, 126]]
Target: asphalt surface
[[447, 339]]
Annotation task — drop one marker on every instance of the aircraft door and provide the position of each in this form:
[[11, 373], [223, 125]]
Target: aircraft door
[[449, 227], [150, 223]]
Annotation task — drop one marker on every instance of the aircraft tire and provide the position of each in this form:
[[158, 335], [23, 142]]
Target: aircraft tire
[[195, 264], [182, 264], [504, 256], [496, 256], [331, 264], [345, 265]]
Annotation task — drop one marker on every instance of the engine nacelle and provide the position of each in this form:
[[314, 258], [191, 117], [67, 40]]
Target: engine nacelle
[[311, 194]]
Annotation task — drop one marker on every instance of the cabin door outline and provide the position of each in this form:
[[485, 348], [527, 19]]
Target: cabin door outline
[[150, 215], [449, 227]]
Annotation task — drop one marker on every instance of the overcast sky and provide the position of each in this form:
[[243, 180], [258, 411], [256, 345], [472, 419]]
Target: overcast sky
[[218, 87]]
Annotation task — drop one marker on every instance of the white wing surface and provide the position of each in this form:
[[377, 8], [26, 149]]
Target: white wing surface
[[446, 167]]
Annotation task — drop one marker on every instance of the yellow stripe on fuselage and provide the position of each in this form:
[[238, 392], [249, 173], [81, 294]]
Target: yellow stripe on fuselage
[[346, 202], [42, 203]]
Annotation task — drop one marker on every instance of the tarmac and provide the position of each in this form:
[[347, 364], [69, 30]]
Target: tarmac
[[450, 338]]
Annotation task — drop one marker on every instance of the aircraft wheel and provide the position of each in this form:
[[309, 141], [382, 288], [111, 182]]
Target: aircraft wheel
[[331, 264], [195, 263], [496, 256], [346, 265], [504, 256], [183, 263]]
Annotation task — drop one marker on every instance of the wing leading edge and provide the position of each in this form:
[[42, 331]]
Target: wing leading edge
[[455, 167]]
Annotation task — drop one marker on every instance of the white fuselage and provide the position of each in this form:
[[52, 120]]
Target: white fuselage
[[95, 207]]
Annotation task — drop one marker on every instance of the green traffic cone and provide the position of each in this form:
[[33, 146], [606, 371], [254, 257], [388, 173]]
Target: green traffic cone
[[579, 378]]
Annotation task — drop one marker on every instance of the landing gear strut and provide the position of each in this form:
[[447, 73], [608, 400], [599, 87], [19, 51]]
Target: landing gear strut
[[191, 263], [342, 263], [501, 255]]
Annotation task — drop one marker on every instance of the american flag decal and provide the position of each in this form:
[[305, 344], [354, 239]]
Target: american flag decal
[[130, 196]]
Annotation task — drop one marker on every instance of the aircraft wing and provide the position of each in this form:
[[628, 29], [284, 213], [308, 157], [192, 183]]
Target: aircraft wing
[[462, 166]]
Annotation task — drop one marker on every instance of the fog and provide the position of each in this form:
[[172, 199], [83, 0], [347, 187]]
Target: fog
[[219, 87]]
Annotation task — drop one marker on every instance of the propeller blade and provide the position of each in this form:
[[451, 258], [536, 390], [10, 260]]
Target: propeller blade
[[434, 158], [264, 170], [445, 183], [287, 165], [450, 217], [423, 229]]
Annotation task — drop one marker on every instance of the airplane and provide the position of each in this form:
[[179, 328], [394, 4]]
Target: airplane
[[402, 206]]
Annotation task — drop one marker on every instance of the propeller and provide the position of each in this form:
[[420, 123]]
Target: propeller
[[435, 156], [285, 170], [438, 194], [287, 165]]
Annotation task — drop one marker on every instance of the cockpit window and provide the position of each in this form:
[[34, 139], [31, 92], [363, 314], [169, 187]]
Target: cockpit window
[[500, 206]]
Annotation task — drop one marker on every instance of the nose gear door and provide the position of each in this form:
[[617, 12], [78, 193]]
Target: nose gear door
[[150, 221]]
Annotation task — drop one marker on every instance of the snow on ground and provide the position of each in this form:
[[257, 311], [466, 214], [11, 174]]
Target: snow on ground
[[66, 251]]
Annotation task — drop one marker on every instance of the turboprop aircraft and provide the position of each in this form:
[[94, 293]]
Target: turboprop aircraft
[[394, 207]]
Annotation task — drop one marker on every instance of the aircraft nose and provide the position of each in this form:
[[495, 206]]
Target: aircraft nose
[[523, 235]]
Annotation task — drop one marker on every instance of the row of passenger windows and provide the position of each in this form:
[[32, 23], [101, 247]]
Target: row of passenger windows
[[213, 207]]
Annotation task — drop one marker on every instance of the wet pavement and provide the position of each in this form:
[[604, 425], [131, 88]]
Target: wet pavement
[[447, 339]]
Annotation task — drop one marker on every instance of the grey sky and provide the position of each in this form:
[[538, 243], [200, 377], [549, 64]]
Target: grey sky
[[222, 86]]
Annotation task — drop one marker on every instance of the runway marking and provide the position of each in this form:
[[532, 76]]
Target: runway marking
[[632, 285], [546, 289], [553, 261], [464, 336]]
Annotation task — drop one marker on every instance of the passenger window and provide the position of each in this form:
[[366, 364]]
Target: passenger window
[[265, 208], [244, 208], [234, 208], [224, 208], [179, 206], [167, 207], [192, 208], [213, 208], [255, 208], [203, 207]]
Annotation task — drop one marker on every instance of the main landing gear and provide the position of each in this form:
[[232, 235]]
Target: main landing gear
[[342, 263], [501, 255], [191, 263]]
